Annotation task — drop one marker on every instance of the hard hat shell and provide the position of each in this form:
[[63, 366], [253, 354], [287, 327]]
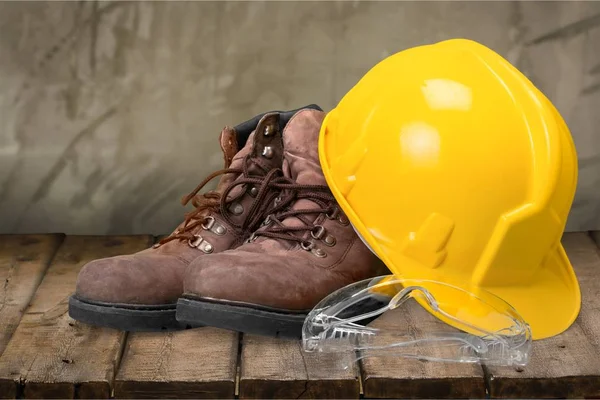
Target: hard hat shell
[[452, 166]]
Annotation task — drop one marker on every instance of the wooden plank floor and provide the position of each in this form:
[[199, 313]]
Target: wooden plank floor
[[51, 355], [46, 354], [278, 368]]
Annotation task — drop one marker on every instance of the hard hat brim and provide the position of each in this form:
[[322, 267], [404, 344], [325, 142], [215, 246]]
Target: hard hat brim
[[552, 302]]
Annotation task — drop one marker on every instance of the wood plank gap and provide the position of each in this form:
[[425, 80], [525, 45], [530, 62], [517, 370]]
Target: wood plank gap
[[486, 380], [359, 367], [238, 366], [118, 363], [20, 394], [595, 235], [59, 241]]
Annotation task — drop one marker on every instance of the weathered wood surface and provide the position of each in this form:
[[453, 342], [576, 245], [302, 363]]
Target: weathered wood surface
[[195, 363], [23, 262], [396, 377], [567, 365], [279, 368], [52, 356]]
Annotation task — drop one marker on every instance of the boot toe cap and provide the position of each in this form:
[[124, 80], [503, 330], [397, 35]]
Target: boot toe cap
[[128, 280]]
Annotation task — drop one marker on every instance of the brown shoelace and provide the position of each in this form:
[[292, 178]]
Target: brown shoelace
[[319, 194], [213, 201]]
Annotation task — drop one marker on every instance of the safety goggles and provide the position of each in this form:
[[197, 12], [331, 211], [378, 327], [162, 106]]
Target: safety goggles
[[426, 320]]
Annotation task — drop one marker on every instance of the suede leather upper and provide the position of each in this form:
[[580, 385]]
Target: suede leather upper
[[278, 273]]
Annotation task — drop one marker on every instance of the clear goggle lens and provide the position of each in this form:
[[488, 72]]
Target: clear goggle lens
[[423, 319]]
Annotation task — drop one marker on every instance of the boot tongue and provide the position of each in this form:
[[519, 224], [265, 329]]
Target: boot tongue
[[301, 164], [233, 158], [300, 144]]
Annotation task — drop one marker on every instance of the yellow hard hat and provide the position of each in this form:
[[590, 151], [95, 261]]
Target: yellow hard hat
[[452, 166]]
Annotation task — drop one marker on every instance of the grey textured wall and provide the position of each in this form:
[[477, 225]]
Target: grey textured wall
[[109, 112]]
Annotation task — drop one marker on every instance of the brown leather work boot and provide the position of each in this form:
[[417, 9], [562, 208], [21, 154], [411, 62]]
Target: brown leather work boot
[[138, 292], [304, 251]]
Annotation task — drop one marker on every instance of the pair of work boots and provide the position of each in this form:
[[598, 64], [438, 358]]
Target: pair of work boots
[[256, 254]]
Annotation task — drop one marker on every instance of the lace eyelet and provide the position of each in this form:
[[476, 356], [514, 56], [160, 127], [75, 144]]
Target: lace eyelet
[[343, 220], [208, 223], [268, 130], [267, 221], [317, 232], [329, 240], [333, 214], [201, 244], [267, 152], [307, 245], [319, 253], [251, 239], [253, 191], [196, 241], [206, 247]]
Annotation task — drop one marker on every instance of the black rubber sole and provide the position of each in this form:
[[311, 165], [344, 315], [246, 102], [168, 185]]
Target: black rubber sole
[[126, 317], [241, 318]]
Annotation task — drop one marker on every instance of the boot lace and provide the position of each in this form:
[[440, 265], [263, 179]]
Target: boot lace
[[213, 201], [319, 194]]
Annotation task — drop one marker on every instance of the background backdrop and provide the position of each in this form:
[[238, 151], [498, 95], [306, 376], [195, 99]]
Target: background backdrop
[[109, 112]]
